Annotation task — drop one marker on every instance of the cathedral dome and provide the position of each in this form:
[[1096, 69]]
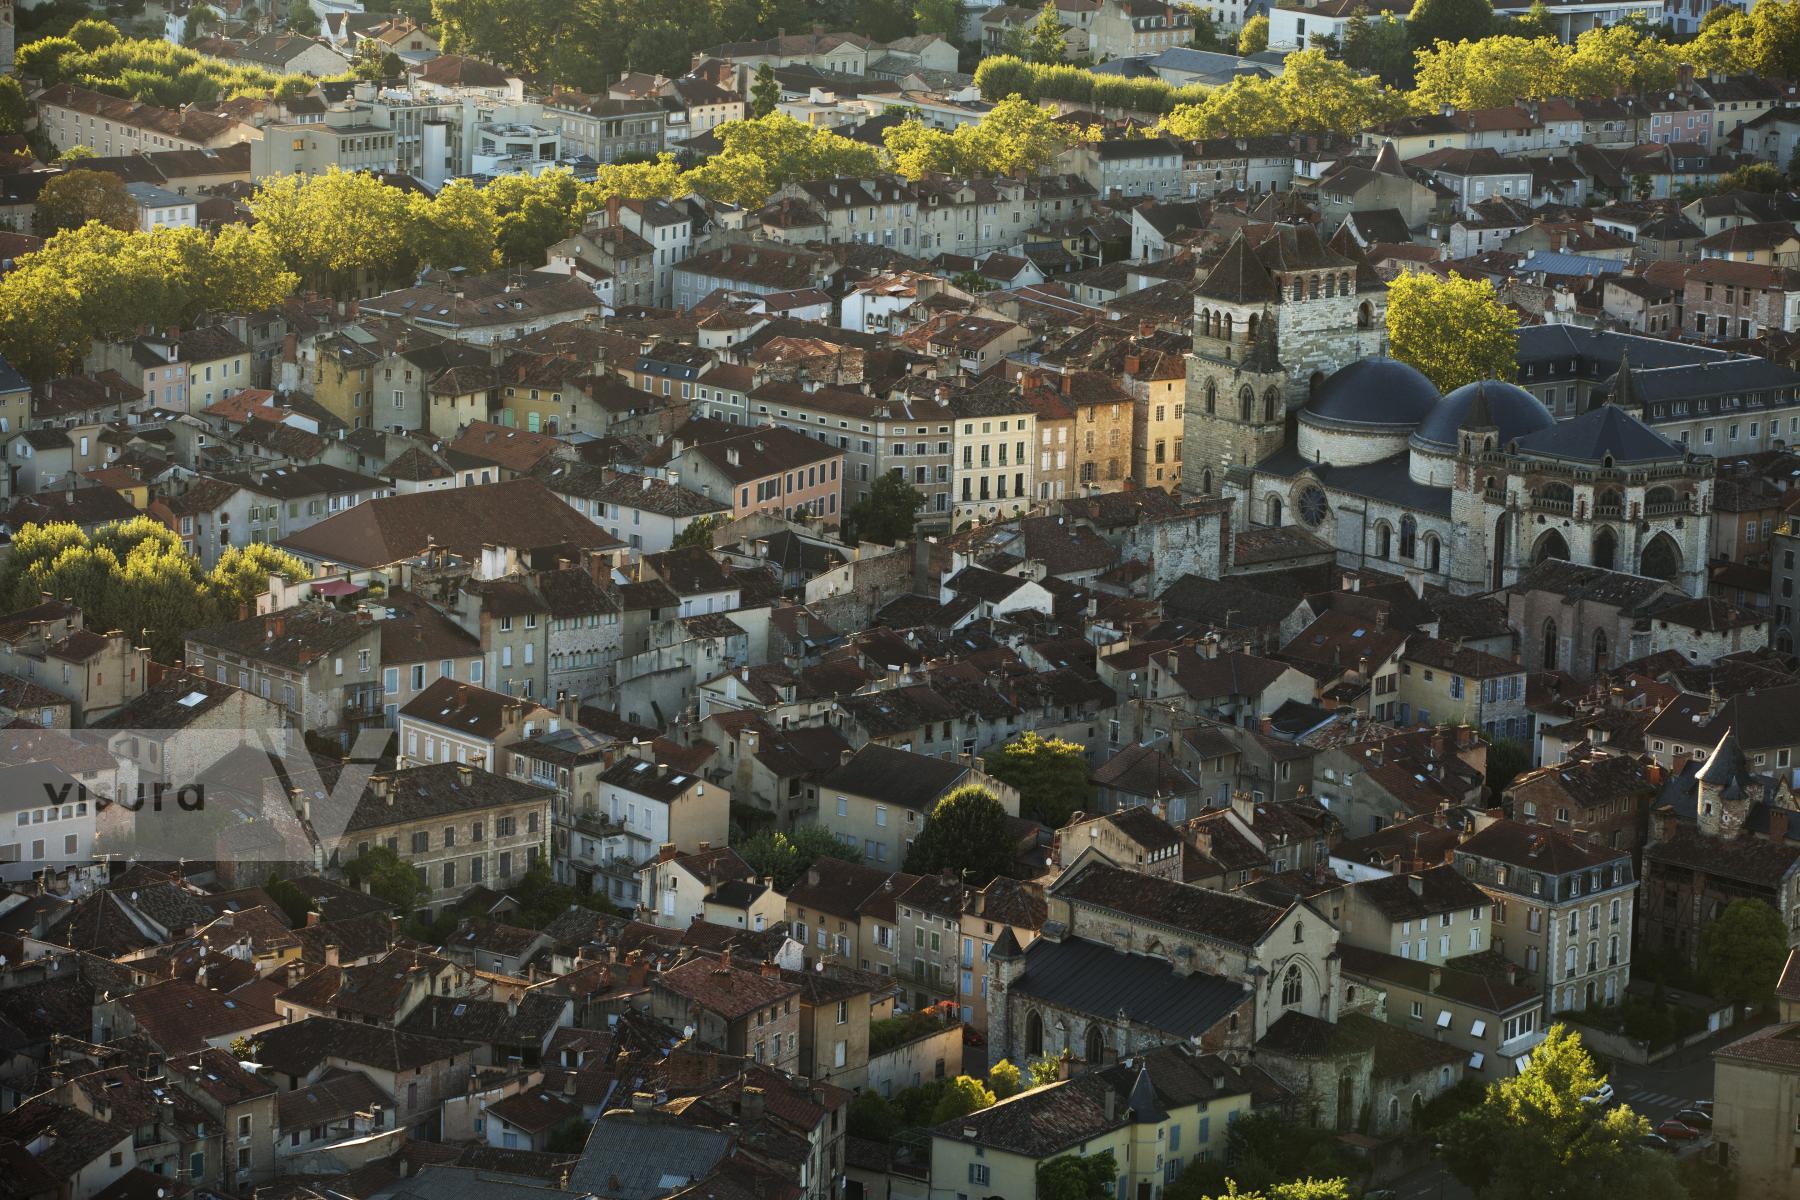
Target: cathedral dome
[[1513, 411], [1374, 392]]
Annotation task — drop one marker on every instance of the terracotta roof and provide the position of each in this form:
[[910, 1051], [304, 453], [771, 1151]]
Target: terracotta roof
[[729, 991]]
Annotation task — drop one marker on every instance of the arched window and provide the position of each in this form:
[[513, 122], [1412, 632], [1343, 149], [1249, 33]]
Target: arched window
[[1599, 650], [1212, 397], [1393, 1112], [1434, 553], [1299, 289], [1365, 315], [1271, 403], [1409, 536], [1557, 493], [1606, 548], [1206, 319], [1550, 645], [1206, 482], [1246, 402], [1096, 1044], [1608, 502], [1662, 558], [1658, 497], [1250, 327], [1384, 537], [1034, 1034], [1550, 546], [1292, 989], [1225, 326], [1274, 509]]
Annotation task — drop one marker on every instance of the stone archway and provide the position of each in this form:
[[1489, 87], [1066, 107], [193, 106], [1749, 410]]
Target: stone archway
[[1606, 548], [1551, 545], [1661, 559]]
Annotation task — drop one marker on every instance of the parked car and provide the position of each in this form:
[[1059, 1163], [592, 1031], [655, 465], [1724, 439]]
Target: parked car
[[1656, 1141], [1704, 1106], [1693, 1118], [1602, 1095], [1677, 1131]]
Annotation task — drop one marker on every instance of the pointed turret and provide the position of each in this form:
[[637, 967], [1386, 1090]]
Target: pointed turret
[[1623, 389], [1480, 417], [1387, 160]]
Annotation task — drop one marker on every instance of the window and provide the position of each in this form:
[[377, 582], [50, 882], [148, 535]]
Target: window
[[1292, 989]]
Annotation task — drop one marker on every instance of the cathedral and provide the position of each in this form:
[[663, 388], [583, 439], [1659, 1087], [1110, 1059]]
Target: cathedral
[[1293, 413]]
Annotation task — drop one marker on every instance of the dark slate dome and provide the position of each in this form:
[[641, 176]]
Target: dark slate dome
[[1374, 391], [1514, 411]]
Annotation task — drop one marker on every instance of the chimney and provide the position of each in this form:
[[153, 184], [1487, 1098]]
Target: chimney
[[1112, 1103], [643, 1102], [750, 1104], [725, 959], [769, 970], [665, 852], [1416, 884], [331, 954]]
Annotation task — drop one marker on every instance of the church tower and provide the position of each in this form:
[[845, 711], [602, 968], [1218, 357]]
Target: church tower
[[1273, 318], [1481, 523]]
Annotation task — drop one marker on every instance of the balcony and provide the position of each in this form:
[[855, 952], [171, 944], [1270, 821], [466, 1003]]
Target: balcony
[[593, 821]]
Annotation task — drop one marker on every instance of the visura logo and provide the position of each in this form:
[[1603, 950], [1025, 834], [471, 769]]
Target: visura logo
[[145, 797]]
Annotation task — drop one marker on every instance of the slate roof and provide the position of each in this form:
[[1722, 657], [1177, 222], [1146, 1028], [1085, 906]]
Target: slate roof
[[1607, 431], [1091, 978], [1440, 890], [299, 1048], [517, 512], [1216, 915], [899, 777]]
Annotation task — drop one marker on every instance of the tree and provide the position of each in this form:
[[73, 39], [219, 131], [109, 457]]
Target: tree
[[14, 108], [1753, 177], [886, 514], [1266, 1153], [1506, 761], [1044, 39], [966, 832], [455, 228], [699, 531], [1642, 188], [91, 33], [1077, 1177], [74, 154], [302, 19], [942, 17], [784, 857], [201, 19], [1454, 330], [1051, 775], [74, 198], [1742, 952], [1045, 1071], [294, 903], [872, 1117], [1434, 21], [389, 878], [1490, 72], [962, 1096], [337, 230], [242, 574], [765, 93], [1355, 44], [762, 155], [1536, 23], [1254, 37], [541, 899], [1532, 1135], [1003, 1079]]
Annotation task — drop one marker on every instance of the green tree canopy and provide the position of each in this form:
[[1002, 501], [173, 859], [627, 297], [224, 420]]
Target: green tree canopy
[[72, 199], [786, 856], [388, 877], [1532, 1137], [293, 902], [765, 93], [1265, 1153], [1254, 37], [1077, 1177], [1742, 953], [1050, 773], [699, 532], [1004, 1079], [91, 33], [967, 832], [14, 108], [1044, 38], [886, 514], [302, 19], [1454, 330], [962, 1096], [1434, 21]]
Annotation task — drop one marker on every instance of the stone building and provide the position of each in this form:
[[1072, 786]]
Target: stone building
[[1288, 413], [1562, 910]]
